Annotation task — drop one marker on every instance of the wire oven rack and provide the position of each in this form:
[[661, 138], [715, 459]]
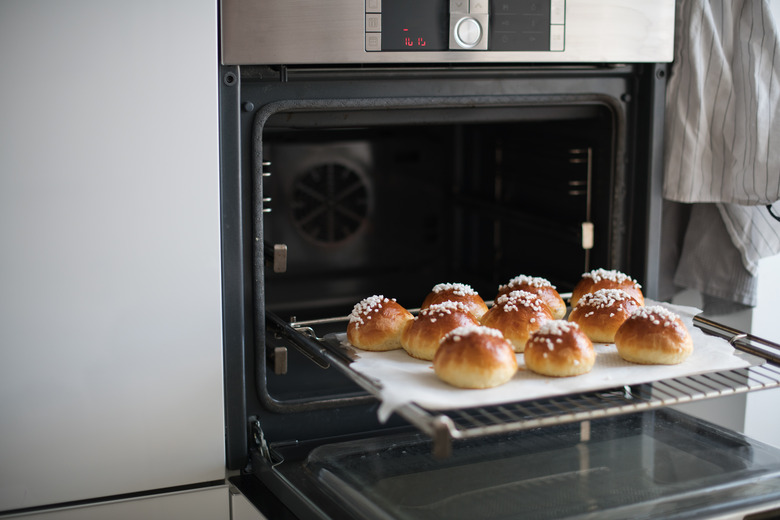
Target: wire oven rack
[[445, 427]]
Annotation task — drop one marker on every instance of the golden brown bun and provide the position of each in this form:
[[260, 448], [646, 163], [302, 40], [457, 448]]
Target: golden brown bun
[[422, 337], [475, 357], [603, 279], [560, 349], [540, 287], [456, 292], [599, 314], [516, 315], [376, 324], [654, 336]]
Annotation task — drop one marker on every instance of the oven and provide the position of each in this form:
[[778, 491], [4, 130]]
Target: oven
[[382, 147]]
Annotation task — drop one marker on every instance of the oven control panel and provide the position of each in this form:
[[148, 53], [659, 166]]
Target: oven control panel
[[395, 32], [465, 25]]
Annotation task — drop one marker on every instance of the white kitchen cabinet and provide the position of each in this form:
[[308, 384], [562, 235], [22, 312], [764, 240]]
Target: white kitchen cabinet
[[110, 298], [200, 504], [242, 509]]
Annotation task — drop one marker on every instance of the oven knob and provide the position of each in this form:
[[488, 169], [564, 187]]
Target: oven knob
[[468, 32]]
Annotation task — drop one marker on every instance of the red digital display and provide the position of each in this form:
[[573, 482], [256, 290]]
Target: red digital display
[[412, 25], [410, 41]]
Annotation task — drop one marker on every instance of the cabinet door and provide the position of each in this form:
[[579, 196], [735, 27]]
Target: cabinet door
[[110, 296], [202, 504], [242, 509]]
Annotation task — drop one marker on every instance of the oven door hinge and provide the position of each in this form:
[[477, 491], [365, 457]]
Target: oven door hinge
[[259, 439]]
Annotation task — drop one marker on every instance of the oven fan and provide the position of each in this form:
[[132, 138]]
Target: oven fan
[[330, 203]]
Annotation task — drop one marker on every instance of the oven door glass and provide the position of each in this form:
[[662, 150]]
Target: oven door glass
[[653, 465]]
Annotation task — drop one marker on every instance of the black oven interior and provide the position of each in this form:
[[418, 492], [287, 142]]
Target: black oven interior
[[396, 208]]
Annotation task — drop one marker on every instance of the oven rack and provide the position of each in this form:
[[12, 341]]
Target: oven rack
[[445, 427]]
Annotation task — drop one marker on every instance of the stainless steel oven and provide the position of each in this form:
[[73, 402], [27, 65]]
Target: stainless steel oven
[[382, 147]]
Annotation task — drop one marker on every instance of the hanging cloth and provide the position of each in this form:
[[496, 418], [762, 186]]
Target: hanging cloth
[[723, 124], [722, 140]]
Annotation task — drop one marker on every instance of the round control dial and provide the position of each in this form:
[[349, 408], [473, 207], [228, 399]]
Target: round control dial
[[468, 32]]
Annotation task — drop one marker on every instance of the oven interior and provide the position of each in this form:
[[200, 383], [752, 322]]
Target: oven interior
[[395, 209]]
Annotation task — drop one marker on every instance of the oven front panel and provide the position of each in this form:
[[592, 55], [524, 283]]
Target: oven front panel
[[446, 31]]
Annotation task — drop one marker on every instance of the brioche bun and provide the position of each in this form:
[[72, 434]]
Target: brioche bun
[[654, 336], [599, 314], [456, 292], [376, 324], [475, 357], [559, 349], [516, 315], [540, 287], [422, 337], [603, 279]]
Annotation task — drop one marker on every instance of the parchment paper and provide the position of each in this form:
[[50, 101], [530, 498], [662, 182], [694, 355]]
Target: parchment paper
[[404, 379]]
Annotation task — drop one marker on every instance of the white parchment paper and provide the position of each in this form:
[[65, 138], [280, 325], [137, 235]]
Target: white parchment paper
[[404, 379]]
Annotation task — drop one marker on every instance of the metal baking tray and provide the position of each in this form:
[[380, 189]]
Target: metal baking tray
[[446, 426]]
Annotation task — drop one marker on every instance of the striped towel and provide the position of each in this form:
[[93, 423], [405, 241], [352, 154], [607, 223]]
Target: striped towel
[[723, 120]]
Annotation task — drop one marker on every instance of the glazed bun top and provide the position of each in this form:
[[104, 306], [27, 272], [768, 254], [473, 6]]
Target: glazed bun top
[[604, 279], [654, 335], [540, 287], [456, 292], [376, 323], [599, 314], [559, 349], [655, 319], [559, 332], [516, 315], [475, 357], [422, 337]]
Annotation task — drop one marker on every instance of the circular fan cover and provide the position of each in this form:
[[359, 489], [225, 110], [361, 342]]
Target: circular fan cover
[[330, 203]]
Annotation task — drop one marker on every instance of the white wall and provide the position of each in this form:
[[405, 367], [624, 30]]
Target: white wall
[[762, 420], [110, 304]]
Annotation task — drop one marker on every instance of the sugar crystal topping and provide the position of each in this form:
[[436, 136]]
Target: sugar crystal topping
[[459, 289], [532, 281], [362, 310], [448, 307], [656, 314], [553, 328], [603, 298], [467, 330], [557, 327], [614, 276], [511, 302]]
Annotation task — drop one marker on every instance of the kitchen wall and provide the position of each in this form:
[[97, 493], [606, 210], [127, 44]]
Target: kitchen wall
[[761, 418]]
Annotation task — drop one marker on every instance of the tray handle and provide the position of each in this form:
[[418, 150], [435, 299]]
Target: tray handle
[[740, 340]]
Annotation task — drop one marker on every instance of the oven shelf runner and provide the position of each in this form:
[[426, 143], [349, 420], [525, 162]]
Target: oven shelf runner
[[720, 365]]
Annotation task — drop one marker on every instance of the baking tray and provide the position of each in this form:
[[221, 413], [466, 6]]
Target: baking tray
[[754, 366]]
